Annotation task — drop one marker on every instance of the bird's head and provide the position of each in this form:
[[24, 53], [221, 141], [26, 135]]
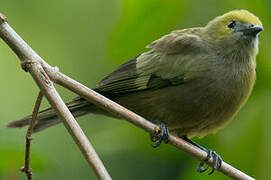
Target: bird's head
[[238, 26]]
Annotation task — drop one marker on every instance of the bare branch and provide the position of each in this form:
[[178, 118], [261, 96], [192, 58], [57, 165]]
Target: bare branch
[[26, 168], [21, 49], [31, 62]]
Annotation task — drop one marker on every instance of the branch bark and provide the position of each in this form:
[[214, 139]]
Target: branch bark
[[26, 168], [21, 49], [30, 61]]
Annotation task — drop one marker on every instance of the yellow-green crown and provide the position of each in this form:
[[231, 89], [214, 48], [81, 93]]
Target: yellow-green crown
[[242, 16]]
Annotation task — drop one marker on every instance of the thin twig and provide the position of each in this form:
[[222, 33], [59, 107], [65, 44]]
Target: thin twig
[[31, 62], [23, 50], [28, 137]]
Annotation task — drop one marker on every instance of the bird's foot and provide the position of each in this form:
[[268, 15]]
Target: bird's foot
[[162, 135], [216, 165], [210, 153]]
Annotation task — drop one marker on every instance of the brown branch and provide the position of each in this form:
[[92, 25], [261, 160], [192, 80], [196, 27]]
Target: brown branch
[[31, 62], [21, 49], [26, 168]]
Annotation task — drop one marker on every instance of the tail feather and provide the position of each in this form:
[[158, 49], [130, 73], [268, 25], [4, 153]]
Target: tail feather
[[48, 117]]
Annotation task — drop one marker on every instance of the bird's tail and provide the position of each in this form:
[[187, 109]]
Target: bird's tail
[[48, 117]]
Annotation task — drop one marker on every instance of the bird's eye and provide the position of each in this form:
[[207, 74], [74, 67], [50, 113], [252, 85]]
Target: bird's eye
[[232, 24]]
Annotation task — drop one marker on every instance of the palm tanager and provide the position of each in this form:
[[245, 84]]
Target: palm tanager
[[191, 81]]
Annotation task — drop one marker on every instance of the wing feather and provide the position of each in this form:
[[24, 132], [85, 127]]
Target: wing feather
[[164, 65]]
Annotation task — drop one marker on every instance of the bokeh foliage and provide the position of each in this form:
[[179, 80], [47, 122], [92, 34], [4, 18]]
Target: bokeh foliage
[[87, 40]]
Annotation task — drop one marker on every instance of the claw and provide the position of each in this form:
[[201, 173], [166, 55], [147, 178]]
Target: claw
[[217, 162], [163, 135], [201, 167], [210, 153], [216, 165]]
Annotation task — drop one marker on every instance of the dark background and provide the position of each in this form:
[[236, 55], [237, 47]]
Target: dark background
[[89, 39]]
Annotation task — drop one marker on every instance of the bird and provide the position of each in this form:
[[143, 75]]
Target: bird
[[191, 82]]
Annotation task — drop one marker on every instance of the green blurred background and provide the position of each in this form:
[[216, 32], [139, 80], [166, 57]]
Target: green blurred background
[[87, 40]]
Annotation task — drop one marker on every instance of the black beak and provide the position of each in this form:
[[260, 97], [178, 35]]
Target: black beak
[[253, 30]]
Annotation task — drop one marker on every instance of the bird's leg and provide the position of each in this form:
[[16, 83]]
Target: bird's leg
[[163, 135], [210, 153]]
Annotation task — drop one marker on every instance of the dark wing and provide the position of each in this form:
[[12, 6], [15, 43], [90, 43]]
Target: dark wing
[[121, 80], [164, 65]]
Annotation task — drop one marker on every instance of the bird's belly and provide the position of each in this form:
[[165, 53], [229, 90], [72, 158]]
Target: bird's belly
[[188, 110], [207, 109]]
